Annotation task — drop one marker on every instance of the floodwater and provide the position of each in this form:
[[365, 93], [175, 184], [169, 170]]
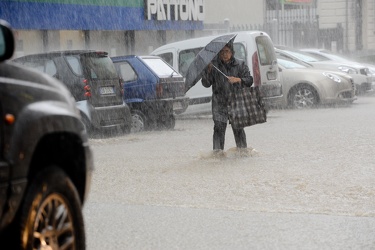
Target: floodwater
[[308, 184]]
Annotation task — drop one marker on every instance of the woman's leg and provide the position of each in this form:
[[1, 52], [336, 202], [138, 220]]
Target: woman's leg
[[219, 135], [240, 138]]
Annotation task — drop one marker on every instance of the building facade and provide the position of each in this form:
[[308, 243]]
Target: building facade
[[338, 25], [120, 26], [124, 27]]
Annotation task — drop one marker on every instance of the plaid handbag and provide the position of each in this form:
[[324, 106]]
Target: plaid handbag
[[246, 107]]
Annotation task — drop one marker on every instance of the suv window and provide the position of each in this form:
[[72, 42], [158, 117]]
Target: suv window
[[265, 50], [44, 65], [50, 68], [127, 73], [97, 66], [74, 64], [168, 57], [159, 66]]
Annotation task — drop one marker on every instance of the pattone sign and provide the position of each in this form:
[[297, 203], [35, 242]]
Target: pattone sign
[[296, 1], [174, 10]]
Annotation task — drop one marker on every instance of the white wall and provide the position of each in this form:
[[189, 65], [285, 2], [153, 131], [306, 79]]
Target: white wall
[[332, 12], [238, 11]]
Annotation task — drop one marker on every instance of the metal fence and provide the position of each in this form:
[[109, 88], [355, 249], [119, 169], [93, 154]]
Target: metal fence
[[296, 27]]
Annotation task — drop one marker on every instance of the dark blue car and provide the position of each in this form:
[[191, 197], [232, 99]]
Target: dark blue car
[[153, 90]]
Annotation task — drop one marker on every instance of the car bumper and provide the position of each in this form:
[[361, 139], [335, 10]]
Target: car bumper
[[274, 101], [111, 116]]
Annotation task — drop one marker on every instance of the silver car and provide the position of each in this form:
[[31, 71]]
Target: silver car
[[306, 87], [327, 55], [360, 74]]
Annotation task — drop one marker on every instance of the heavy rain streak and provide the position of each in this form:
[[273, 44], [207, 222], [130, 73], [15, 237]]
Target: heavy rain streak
[[168, 174]]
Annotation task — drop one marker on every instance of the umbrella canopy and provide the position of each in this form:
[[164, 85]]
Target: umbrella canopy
[[204, 57]]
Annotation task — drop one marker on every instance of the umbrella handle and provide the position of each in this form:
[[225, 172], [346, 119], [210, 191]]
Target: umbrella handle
[[220, 71]]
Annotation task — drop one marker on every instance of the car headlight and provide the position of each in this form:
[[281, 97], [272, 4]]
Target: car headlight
[[331, 76], [348, 70]]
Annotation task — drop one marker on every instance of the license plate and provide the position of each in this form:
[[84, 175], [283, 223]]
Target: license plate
[[107, 90], [177, 105]]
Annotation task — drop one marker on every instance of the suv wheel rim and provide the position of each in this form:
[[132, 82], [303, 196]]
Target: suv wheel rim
[[53, 227], [137, 123]]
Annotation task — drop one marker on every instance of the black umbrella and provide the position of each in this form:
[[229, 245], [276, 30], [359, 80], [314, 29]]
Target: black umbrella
[[204, 57]]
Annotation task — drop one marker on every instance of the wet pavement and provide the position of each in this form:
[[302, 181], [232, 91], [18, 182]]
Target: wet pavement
[[309, 184]]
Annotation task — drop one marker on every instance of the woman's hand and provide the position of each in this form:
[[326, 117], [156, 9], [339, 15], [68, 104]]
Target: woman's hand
[[233, 79]]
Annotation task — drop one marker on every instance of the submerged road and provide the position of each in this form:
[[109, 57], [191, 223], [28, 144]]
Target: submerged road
[[309, 184]]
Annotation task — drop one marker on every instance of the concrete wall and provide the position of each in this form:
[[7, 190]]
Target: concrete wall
[[333, 12]]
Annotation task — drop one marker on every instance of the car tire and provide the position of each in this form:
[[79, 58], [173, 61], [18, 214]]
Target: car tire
[[169, 123], [51, 215], [126, 129], [139, 121], [302, 97]]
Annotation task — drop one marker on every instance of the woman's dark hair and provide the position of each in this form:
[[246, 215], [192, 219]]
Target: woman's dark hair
[[230, 46]]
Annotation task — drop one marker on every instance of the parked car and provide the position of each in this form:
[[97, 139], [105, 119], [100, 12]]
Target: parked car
[[360, 74], [93, 81], [306, 87], [153, 90], [45, 159], [254, 47], [327, 55]]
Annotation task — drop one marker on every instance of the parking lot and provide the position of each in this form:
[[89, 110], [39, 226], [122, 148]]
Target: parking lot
[[308, 185]]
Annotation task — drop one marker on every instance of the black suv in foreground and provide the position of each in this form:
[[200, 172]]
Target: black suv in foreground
[[45, 160], [94, 83]]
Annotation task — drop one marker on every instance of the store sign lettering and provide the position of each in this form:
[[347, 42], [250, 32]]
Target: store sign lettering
[[174, 10]]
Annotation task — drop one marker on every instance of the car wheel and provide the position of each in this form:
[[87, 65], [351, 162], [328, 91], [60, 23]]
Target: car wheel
[[169, 123], [51, 215], [303, 96], [126, 129], [138, 121]]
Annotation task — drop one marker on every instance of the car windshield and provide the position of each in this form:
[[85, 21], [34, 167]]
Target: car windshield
[[160, 67], [303, 56], [289, 64], [334, 57]]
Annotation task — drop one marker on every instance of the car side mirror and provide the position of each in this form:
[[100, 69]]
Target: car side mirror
[[7, 42]]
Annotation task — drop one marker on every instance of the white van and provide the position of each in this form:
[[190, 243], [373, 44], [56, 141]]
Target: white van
[[254, 47]]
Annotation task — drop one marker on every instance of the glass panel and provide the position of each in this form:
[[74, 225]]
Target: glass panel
[[127, 73], [75, 65], [2, 43], [168, 57], [44, 65], [304, 56], [265, 50], [239, 51], [99, 67], [185, 58], [289, 64], [50, 68], [159, 66]]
